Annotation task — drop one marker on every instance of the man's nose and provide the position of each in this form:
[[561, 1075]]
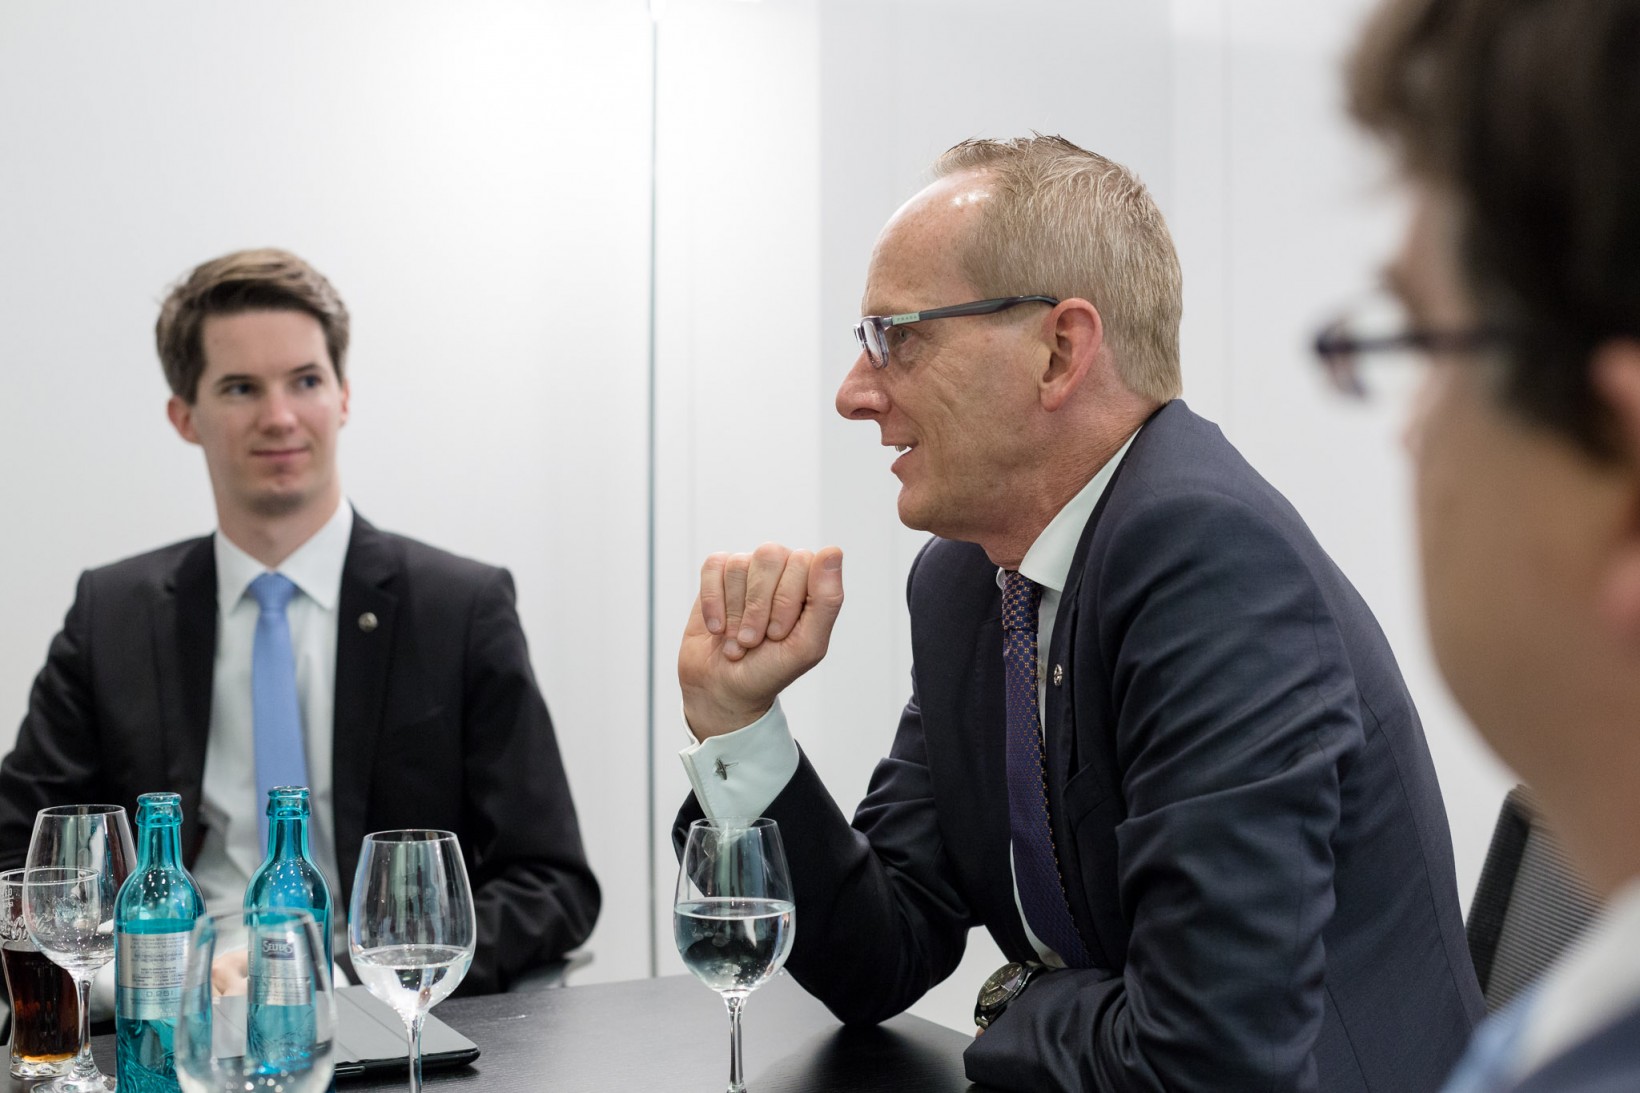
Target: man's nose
[[861, 395], [278, 412]]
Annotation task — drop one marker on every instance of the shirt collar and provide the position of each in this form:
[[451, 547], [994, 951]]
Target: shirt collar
[[315, 567], [1048, 561]]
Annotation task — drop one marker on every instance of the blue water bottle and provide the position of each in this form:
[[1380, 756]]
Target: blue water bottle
[[280, 1023], [288, 879], [153, 916]]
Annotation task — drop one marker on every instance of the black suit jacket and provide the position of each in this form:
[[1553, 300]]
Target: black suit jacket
[[1253, 843], [438, 724]]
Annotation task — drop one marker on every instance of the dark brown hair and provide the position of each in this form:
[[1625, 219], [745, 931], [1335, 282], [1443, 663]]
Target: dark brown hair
[[1527, 113], [265, 279]]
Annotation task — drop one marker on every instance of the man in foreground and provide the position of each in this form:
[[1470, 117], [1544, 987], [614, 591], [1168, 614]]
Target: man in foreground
[[1156, 743], [301, 645], [1519, 275]]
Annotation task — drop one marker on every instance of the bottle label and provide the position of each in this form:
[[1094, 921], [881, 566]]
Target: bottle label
[[148, 973], [279, 977]]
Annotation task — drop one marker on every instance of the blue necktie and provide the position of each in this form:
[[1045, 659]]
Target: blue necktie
[[276, 711], [1036, 861], [1488, 1066]]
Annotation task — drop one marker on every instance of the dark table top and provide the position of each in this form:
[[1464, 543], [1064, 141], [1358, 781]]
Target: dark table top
[[659, 1035]]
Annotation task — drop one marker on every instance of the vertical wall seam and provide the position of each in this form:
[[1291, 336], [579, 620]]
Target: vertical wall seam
[[651, 502]]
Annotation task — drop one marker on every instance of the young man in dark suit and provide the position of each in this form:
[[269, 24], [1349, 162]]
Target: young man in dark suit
[[1518, 280], [1156, 744], [389, 676]]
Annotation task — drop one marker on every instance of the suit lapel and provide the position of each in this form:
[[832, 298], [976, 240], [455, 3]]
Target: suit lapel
[[184, 635], [1062, 734], [366, 613]]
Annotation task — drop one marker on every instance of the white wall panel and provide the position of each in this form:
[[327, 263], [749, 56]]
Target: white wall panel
[[472, 177], [738, 388]]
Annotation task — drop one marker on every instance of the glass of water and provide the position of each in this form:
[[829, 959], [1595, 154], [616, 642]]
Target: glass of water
[[411, 927], [733, 916], [279, 1035]]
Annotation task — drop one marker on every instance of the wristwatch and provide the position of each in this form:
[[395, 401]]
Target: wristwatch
[[1006, 983]]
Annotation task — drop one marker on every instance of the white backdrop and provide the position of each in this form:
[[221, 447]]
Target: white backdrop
[[467, 176], [475, 178]]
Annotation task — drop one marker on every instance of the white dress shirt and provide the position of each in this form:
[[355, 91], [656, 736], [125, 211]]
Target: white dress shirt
[[230, 811], [1593, 984], [762, 757]]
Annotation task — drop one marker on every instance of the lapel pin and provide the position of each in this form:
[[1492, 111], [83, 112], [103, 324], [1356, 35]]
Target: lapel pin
[[368, 621], [1058, 674]]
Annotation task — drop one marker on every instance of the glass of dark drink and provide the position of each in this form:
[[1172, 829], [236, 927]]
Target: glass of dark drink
[[45, 1009]]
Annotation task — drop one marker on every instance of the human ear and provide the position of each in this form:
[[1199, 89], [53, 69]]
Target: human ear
[[1077, 336], [181, 414], [1615, 373]]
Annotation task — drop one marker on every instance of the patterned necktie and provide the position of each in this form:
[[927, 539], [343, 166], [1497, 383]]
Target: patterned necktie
[[276, 711], [1036, 863]]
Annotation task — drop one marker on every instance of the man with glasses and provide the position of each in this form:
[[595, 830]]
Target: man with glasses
[[1518, 285], [1156, 743]]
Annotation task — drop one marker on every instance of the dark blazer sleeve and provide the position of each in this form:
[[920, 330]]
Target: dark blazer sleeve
[[880, 918], [880, 891], [1233, 712], [534, 894], [55, 756]]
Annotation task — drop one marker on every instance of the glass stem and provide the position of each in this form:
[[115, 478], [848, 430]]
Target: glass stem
[[85, 1067], [737, 1080], [413, 1027]]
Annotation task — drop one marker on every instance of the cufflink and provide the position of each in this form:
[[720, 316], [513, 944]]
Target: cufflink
[[368, 621]]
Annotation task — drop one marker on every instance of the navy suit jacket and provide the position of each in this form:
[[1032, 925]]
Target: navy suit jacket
[[1248, 824], [438, 724]]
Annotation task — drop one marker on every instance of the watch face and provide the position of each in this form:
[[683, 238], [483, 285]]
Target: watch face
[[1004, 983]]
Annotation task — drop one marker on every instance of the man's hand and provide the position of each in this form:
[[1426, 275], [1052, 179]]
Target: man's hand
[[230, 973], [761, 620]]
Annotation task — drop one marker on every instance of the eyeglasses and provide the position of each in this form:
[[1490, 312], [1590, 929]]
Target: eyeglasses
[[872, 330], [1379, 327]]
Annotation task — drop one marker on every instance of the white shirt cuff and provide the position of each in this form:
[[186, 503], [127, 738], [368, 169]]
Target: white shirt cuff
[[739, 774]]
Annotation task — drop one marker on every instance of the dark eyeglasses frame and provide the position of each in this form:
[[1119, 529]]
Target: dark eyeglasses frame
[[1340, 352], [872, 330]]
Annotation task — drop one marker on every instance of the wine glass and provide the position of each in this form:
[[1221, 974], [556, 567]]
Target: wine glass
[[95, 839], [411, 928], [277, 1036], [733, 916], [70, 916]]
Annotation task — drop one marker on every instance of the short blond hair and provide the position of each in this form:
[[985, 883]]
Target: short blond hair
[[1066, 222]]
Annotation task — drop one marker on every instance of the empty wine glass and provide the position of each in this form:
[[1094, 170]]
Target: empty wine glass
[[97, 839], [277, 1036], [733, 916], [410, 927], [70, 916]]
